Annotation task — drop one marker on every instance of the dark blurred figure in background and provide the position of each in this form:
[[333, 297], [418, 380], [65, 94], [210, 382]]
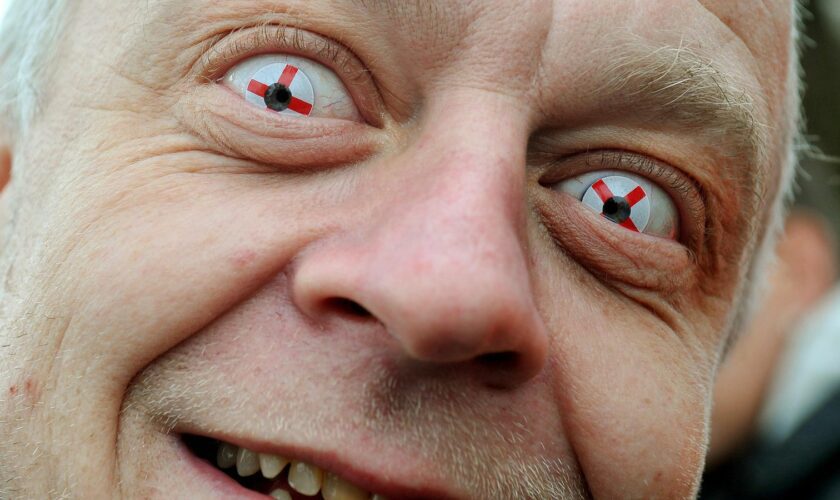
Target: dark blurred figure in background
[[776, 419]]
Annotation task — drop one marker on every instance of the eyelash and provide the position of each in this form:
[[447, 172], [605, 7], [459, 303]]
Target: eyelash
[[246, 42], [688, 195], [647, 167]]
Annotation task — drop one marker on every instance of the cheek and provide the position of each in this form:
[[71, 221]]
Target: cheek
[[631, 392], [646, 432], [154, 254], [635, 416]]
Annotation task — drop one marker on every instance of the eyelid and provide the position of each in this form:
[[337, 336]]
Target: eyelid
[[239, 45], [686, 193]]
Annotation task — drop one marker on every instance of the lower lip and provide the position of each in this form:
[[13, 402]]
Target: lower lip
[[217, 479]]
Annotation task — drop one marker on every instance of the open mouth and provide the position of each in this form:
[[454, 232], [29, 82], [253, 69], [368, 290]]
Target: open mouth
[[274, 476]]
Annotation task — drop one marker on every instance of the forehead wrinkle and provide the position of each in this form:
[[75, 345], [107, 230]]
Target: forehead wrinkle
[[419, 15], [469, 43]]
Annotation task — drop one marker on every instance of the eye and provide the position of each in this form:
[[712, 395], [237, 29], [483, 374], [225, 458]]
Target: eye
[[292, 86], [631, 201]]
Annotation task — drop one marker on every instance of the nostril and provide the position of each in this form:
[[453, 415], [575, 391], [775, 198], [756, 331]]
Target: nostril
[[499, 361], [347, 307], [501, 369], [505, 359]]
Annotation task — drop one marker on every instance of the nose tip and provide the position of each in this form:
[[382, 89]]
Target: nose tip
[[470, 322], [436, 316]]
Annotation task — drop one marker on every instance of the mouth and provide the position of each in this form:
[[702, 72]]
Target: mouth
[[275, 476]]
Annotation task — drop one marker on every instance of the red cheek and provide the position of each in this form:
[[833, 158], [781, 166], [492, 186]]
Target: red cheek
[[32, 390]]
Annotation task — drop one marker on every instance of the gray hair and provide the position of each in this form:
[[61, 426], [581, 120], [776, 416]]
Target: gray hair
[[29, 31]]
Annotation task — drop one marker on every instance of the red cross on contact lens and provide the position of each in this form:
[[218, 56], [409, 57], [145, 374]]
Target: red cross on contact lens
[[621, 200], [291, 90]]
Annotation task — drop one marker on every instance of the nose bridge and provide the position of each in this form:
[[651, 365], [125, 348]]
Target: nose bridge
[[458, 217], [471, 155], [465, 208]]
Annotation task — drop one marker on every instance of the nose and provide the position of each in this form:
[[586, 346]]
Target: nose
[[440, 261]]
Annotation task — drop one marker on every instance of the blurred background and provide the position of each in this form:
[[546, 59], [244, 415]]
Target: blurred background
[[776, 422], [776, 419]]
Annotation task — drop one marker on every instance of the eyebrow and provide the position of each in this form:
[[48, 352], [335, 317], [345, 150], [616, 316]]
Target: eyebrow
[[690, 90]]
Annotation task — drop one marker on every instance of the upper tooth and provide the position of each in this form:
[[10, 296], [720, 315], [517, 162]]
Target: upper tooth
[[336, 488], [226, 456], [305, 479], [280, 495], [247, 463], [272, 465]]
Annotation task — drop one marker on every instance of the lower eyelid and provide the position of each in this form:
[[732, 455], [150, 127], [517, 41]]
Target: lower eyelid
[[612, 251], [219, 117]]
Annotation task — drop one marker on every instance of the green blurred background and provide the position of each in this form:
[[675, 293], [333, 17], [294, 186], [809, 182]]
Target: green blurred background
[[819, 184]]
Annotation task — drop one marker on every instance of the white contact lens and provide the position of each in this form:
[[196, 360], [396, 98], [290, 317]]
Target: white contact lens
[[292, 86], [624, 198], [282, 87]]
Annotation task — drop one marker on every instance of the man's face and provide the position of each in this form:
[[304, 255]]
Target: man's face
[[408, 287]]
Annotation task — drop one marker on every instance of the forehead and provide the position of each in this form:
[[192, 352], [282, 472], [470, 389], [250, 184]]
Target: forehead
[[447, 22], [537, 30], [555, 36], [764, 29]]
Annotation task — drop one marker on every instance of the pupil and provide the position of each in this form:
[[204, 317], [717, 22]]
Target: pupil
[[617, 209], [278, 97]]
